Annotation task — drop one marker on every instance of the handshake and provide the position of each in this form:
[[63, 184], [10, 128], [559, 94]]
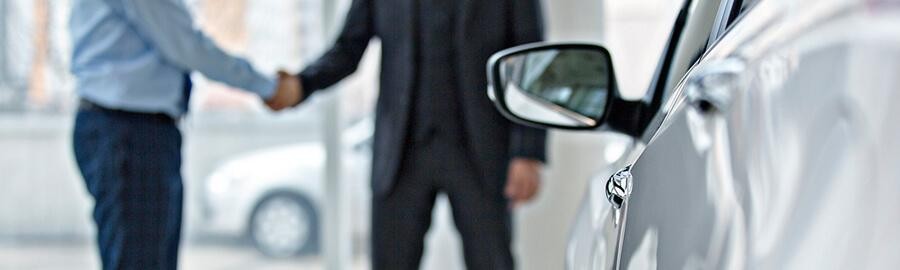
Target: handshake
[[289, 92]]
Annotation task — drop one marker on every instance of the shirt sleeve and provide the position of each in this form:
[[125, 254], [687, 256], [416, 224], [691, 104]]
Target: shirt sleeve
[[169, 27]]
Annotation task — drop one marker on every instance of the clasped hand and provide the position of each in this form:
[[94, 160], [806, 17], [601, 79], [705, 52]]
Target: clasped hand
[[288, 93]]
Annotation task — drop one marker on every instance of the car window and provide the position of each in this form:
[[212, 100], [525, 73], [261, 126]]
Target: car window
[[740, 8], [728, 12], [737, 9], [689, 40], [693, 42], [747, 5], [663, 68]]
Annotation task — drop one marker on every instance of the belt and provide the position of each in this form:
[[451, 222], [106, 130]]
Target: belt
[[86, 105]]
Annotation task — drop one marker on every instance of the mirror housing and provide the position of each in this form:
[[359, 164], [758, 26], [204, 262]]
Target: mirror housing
[[566, 86]]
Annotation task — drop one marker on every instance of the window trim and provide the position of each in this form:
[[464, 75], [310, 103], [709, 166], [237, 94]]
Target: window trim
[[721, 24]]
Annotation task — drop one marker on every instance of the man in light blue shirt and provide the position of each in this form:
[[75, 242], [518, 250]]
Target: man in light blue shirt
[[132, 59]]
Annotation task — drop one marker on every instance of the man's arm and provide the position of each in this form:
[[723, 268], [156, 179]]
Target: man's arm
[[169, 27], [343, 58], [527, 145], [526, 142]]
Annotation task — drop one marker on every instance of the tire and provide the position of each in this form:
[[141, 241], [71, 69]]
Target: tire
[[284, 225]]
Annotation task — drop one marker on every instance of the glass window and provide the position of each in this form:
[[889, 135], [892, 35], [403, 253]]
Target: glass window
[[741, 7], [737, 8]]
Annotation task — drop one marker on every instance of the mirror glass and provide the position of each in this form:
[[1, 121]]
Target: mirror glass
[[564, 87]]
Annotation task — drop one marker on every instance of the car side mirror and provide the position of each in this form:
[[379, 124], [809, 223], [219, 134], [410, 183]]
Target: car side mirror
[[567, 86]]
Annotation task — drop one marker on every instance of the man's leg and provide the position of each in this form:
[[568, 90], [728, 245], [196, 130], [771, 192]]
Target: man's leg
[[153, 194], [400, 221], [96, 140], [485, 224], [131, 165]]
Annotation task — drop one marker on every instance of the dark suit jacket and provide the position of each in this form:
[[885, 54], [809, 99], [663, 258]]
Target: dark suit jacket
[[488, 26]]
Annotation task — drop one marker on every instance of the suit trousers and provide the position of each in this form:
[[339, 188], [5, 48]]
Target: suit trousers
[[131, 164], [402, 217]]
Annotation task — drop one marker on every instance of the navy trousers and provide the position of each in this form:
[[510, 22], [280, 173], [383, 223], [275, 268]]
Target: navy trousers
[[402, 217], [131, 164]]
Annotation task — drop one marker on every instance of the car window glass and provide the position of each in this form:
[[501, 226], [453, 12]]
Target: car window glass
[[736, 10], [728, 11], [741, 8], [694, 41], [688, 42], [747, 4], [663, 68]]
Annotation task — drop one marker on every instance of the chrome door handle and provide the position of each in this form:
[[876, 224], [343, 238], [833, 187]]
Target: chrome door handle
[[712, 87], [619, 187]]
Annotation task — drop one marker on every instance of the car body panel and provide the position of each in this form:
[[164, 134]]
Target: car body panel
[[593, 243], [796, 170], [595, 236]]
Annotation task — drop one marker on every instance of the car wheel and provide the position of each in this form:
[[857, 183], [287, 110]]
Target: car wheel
[[284, 225]]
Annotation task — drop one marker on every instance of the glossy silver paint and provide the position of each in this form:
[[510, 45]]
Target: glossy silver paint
[[779, 149], [597, 230], [797, 166]]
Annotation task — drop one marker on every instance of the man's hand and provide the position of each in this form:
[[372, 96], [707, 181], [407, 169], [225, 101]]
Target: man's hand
[[288, 93], [524, 180]]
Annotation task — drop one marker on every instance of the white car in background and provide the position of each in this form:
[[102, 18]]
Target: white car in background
[[274, 196]]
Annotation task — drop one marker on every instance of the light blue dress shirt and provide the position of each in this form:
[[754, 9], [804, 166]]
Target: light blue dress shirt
[[133, 55]]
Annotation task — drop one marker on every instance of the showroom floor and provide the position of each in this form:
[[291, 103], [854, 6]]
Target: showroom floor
[[212, 257]]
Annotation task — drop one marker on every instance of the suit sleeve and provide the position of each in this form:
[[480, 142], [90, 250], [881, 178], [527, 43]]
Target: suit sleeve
[[342, 59], [527, 27]]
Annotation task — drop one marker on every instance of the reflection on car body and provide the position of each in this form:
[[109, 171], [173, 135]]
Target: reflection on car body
[[775, 147]]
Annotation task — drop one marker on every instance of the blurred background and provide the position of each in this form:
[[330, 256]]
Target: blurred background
[[238, 214]]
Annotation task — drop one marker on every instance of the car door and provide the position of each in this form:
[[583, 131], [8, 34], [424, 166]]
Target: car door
[[778, 149], [670, 221], [595, 234], [768, 156]]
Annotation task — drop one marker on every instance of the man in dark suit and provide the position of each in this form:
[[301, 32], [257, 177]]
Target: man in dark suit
[[436, 130]]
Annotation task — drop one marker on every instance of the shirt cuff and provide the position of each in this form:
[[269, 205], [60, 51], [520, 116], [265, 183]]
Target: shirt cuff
[[264, 87]]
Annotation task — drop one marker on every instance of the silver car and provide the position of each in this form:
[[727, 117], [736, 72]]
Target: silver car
[[274, 196], [765, 141]]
